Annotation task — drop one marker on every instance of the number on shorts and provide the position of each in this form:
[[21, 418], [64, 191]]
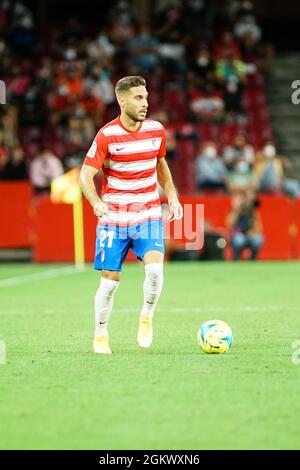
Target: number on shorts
[[103, 235]]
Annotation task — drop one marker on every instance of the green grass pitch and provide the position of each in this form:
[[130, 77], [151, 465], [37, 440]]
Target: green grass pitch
[[55, 393]]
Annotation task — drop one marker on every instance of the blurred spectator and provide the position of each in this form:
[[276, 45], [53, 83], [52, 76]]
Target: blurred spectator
[[202, 69], [122, 19], [58, 104], [92, 106], [232, 72], [22, 32], [172, 54], [211, 171], [269, 173], [10, 127], [198, 18], [101, 50], [32, 110], [225, 47], [17, 85], [170, 24], [143, 51], [45, 75], [239, 149], [80, 131], [100, 83], [247, 28], [245, 226], [241, 177], [72, 80], [43, 169], [207, 105], [16, 168]]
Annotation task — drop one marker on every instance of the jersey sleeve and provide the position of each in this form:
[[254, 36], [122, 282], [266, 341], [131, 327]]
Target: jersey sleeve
[[97, 152], [162, 149]]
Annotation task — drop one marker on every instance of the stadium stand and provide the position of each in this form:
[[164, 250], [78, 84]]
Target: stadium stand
[[203, 64]]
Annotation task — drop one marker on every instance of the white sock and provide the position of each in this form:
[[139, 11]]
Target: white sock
[[103, 305], [153, 283]]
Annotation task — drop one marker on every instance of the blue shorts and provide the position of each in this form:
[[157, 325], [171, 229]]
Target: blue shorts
[[113, 243]]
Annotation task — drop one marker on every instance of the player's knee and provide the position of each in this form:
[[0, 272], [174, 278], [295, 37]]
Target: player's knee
[[111, 275], [107, 288], [154, 271]]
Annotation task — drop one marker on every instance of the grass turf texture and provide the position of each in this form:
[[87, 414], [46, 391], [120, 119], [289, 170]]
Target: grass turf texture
[[57, 394]]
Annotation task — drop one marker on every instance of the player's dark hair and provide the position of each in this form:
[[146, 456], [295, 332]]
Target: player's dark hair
[[125, 83]]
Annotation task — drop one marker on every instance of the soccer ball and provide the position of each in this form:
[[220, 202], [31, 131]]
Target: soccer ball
[[215, 337]]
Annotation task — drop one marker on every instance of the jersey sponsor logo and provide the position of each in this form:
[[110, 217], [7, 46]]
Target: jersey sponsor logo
[[92, 150]]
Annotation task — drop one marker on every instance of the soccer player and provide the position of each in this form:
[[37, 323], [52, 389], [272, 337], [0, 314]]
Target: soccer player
[[130, 151]]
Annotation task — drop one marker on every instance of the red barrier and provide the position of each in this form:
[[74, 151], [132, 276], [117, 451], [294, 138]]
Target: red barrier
[[15, 200], [52, 231], [277, 216], [49, 227], [295, 230]]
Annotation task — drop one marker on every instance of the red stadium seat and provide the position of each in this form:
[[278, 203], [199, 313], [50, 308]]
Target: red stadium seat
[[176, 104]]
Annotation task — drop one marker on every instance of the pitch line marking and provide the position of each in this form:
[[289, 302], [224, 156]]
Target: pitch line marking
[[40, 276]]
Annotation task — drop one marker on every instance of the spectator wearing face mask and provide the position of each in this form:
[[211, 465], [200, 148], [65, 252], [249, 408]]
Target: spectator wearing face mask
[[143, 50], [203, 68], [239, 149], [241, 177], [269, 173], [211, 172], [207, 105], [246, 26]]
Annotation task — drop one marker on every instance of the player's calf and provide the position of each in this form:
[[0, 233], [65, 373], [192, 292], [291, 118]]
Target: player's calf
[[152, 289], [103, 307]]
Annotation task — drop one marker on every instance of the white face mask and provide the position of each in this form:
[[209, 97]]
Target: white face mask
[[269, 151], [70, 54], [210, 152], [242, 167], [202, 61]]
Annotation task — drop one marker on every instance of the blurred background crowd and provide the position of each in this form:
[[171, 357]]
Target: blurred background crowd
[[206, 64]]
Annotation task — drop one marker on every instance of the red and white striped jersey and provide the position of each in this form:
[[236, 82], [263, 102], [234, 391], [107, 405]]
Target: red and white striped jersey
[[128, 160]]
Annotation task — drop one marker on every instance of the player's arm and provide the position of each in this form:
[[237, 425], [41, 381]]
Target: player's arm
[[87, 185], [165, 180]]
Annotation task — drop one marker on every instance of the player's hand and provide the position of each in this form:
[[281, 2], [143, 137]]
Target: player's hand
[[100, 208], [176, 210]]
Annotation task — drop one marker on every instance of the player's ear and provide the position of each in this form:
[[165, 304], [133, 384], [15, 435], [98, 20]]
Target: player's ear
[[121, 99]]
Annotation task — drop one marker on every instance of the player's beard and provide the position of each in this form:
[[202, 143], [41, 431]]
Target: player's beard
[[135, 116]]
